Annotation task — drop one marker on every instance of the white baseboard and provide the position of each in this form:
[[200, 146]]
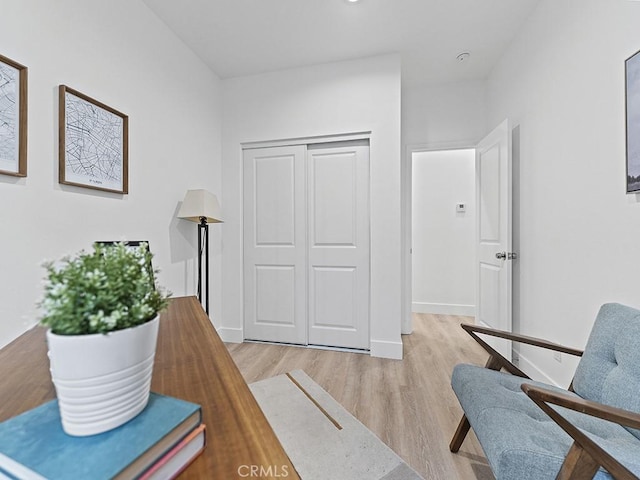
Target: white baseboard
[[532, 370], [231, 335], [379, 348], [382, 349], [443, 308]]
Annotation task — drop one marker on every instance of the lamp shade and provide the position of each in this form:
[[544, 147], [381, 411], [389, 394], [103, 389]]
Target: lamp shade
[[198, 204]]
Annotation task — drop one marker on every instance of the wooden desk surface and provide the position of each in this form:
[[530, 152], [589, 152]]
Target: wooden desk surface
[[191, 363]]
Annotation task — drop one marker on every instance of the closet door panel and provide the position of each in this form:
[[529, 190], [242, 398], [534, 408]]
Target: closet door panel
[[338, 223], [275, 266], [274, 205], [335, 294], [334, 203]]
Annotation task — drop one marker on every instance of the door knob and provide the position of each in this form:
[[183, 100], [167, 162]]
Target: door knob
[[506, 256]]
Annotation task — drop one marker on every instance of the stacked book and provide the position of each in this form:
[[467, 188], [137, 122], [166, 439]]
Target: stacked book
[[159, 443]]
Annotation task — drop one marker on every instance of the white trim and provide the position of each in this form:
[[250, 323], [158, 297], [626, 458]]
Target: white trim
[[236, 335], [443, 308], [406, 283], [406, 192], [439, 146], [312, 347], [532, 370], [231, 335], [383, 349], [344, 137]]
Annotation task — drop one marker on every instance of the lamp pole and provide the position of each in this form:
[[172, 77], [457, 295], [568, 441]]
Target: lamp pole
[[201, 207], [203, 241]]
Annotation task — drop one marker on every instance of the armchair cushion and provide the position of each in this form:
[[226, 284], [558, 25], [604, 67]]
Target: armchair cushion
[[519, 440], [608, 371]]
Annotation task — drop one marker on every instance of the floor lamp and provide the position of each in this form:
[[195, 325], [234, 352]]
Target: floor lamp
[[202, 207]]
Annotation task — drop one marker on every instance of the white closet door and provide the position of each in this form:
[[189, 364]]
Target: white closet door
[[338, 236], [275, 267]]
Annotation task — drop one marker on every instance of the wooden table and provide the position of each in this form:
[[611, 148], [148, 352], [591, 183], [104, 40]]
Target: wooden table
[[191, 363]]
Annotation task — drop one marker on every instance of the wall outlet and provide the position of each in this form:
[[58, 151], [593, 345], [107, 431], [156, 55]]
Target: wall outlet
[[557, 356]]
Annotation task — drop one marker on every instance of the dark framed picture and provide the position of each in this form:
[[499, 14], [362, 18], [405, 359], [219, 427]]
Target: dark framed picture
[[632, 91], [132, 244], [13, 118], [93, 143]]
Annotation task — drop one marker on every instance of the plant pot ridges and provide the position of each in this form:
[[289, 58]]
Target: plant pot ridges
[[106, 385], [101, 306], [88, 367]]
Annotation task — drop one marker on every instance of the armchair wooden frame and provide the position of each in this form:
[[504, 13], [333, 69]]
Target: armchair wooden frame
[[585, 456]]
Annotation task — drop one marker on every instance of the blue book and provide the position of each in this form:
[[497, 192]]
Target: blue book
[[34, 446]]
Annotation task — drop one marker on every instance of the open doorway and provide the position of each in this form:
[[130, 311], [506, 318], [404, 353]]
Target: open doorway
[[443, 216]]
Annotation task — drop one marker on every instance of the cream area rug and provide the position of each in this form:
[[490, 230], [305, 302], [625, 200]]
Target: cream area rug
[[322, 439]]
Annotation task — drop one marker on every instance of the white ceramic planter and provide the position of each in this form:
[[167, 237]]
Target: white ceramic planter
[[102, 380]]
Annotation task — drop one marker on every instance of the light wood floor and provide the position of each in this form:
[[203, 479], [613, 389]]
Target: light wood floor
[[409, 404]]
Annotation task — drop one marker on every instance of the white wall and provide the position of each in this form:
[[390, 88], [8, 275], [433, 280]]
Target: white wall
[[443, 239], [562, 82], [336, 98], [434, 117], [119, 53], [451, 114]]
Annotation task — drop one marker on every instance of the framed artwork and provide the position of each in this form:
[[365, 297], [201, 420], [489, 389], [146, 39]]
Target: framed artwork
[[632, 92], [93, 143], [13, 118], [132, 244]]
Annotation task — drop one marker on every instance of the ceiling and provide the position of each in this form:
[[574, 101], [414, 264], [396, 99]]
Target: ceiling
[[244, 37]]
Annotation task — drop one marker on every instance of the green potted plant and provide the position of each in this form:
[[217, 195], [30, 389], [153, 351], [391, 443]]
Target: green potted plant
[[102, 309]]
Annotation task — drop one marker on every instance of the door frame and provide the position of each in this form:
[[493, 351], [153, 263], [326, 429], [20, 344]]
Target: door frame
[[313, 140], [406, 223], [287, 142]]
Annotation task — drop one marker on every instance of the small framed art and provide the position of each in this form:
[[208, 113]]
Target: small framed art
[[632, 93], [13, 118], [133, 244], [93, 143]]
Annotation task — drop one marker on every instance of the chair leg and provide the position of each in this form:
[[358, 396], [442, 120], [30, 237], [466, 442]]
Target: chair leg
[[461, 433], [578, 464], [493, 363]]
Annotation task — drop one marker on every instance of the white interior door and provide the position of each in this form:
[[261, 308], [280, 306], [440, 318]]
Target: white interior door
[[275, 266], [493, 234], [338, 236]]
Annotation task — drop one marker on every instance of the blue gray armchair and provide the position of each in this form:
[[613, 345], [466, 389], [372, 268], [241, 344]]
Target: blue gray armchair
[[531, 430]]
